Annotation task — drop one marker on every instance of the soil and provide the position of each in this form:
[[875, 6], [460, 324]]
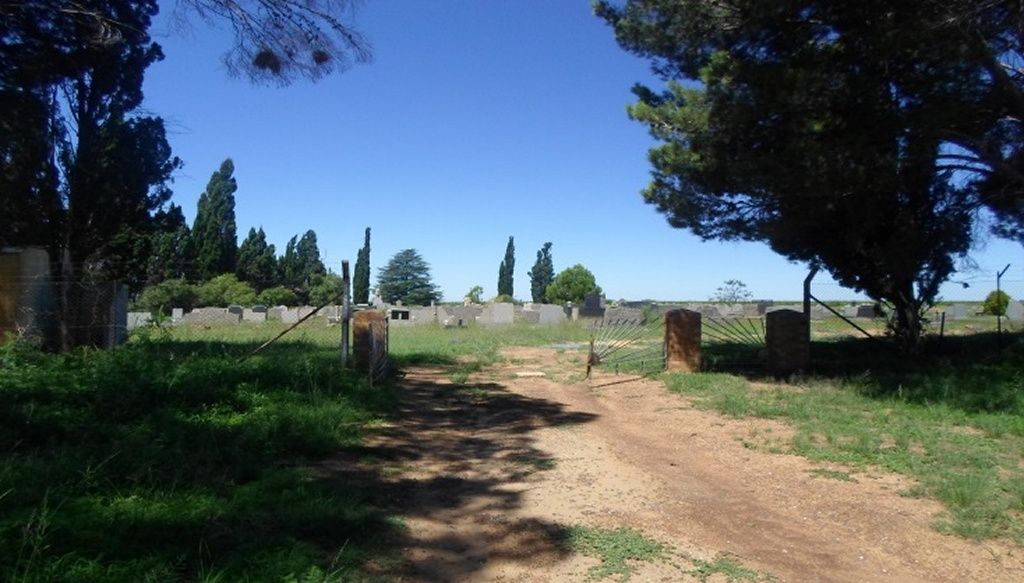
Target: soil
[[489, 475]]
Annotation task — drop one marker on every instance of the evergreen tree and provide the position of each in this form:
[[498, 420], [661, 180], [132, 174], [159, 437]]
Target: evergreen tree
[[213, 233], [301, 264], [406, 277], [542, 274], [506, 270], [572, 285], [361, 277], [170, 256], [257, 264]]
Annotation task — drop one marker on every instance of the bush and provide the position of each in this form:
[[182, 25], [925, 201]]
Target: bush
[[225, 290], [324, 289], [172, 293], [277, 296], [503, 299], [572, 285], [996, 303]]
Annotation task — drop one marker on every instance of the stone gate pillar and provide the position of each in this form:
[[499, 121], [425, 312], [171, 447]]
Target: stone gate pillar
[[788, 341], [682, 341]]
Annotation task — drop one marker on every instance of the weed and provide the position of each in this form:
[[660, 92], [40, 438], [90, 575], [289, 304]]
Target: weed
[[832, 475], [724, 565], [614, 548]]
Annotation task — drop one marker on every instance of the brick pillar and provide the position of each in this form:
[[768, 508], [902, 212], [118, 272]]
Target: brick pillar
[[362, 339], [788, 340], [682, 341]]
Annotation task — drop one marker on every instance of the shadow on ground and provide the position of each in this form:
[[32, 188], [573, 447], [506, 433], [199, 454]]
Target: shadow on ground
[[456, 461]]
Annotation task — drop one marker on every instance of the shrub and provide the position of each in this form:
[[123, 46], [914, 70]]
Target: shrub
[[324, 288], [572, 285], [225, 290], [277, 296], [996, 303], [172, 293], [503, 299]]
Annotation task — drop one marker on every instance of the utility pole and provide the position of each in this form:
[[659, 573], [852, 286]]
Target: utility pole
[[999, 311]]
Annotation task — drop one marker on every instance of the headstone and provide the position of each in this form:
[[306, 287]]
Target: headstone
[[868, 311], [682, 341], [530, 316], [958, 312], [369, 327], [788, 344], [259, 308], [550, 314], [593, 306], [236, 309], [763, 305], [497, 314], [275, 312], [304, 311], [208, 316], [138, 320], [850, 311], [290, 315], [1015, 311], [253, 316], [177, 314]]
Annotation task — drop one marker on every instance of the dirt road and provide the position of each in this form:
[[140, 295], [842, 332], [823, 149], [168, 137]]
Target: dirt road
[[491, 474]]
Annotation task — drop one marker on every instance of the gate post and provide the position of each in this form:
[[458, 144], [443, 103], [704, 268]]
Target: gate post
[[788, 341], [682, 341], [363, 336]]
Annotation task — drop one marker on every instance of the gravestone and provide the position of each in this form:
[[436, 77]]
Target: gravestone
[[788, 345], [236, 309], [850, 311], [530, 316], [138, 320], [1015, 311], [682, 341], [251, 315], [211, 316], [593, 306], [958, 312], [549, 314], [290, 315], [497, 315], [259, 308], [177, 314], [867, 311], [275, 312]]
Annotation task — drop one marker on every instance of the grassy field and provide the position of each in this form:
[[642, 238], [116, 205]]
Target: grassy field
[[171, 458]]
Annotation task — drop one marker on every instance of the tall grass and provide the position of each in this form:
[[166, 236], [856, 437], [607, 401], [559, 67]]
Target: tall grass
[[172, 460]]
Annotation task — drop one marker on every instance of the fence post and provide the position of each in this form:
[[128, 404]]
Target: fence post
[[807, 297], [346, 309], [682, 341]]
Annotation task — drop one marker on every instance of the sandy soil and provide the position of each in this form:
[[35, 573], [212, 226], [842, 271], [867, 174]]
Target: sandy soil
[[489, 475]]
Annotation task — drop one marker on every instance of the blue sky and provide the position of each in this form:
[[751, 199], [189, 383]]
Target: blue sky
[[475, 121]]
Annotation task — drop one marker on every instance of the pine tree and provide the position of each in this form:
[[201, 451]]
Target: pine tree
[[301, 264], [170, 253], [213, 233], [406, 277], [542, 274], [361, 277], [506, 269], [257, 264]]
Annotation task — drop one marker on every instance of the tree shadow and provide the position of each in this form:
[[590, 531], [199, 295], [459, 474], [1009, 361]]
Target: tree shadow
[[465, 456]]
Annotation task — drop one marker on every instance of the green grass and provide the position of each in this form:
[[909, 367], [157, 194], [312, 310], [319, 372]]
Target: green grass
[[171, 460], [615, 548], [727, 567], [832, 475], [956, 426]]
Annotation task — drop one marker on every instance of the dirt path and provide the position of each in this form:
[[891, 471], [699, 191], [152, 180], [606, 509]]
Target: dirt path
[[491, 474]]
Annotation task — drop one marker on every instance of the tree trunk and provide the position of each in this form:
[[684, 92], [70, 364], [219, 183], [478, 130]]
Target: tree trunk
[[906, 325]]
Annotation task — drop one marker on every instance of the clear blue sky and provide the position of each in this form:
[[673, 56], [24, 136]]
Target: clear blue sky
[[475, 121]]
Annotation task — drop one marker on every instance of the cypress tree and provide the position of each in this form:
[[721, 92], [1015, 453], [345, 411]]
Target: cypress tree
[[542, 274], [506, 269], [361, 277], [213, 233], [257, 264]]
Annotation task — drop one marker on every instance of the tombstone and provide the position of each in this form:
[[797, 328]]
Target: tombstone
[[850, 311], [275, 312], [1015, 311], [763, 305], [788, 343], [290, 315], [138, 320], [369, 327], [176, 315], [593, 306], [682, 341], [574, 313], [304, 311], [236, 309], [259, 308], [251, 315], [550, 314], [868, 311], [207, 316], [958, 312], [530, 316], [497, 314]]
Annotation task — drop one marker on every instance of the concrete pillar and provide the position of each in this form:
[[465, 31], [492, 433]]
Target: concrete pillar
[[788, 340], [682, 341], [363, 330]]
